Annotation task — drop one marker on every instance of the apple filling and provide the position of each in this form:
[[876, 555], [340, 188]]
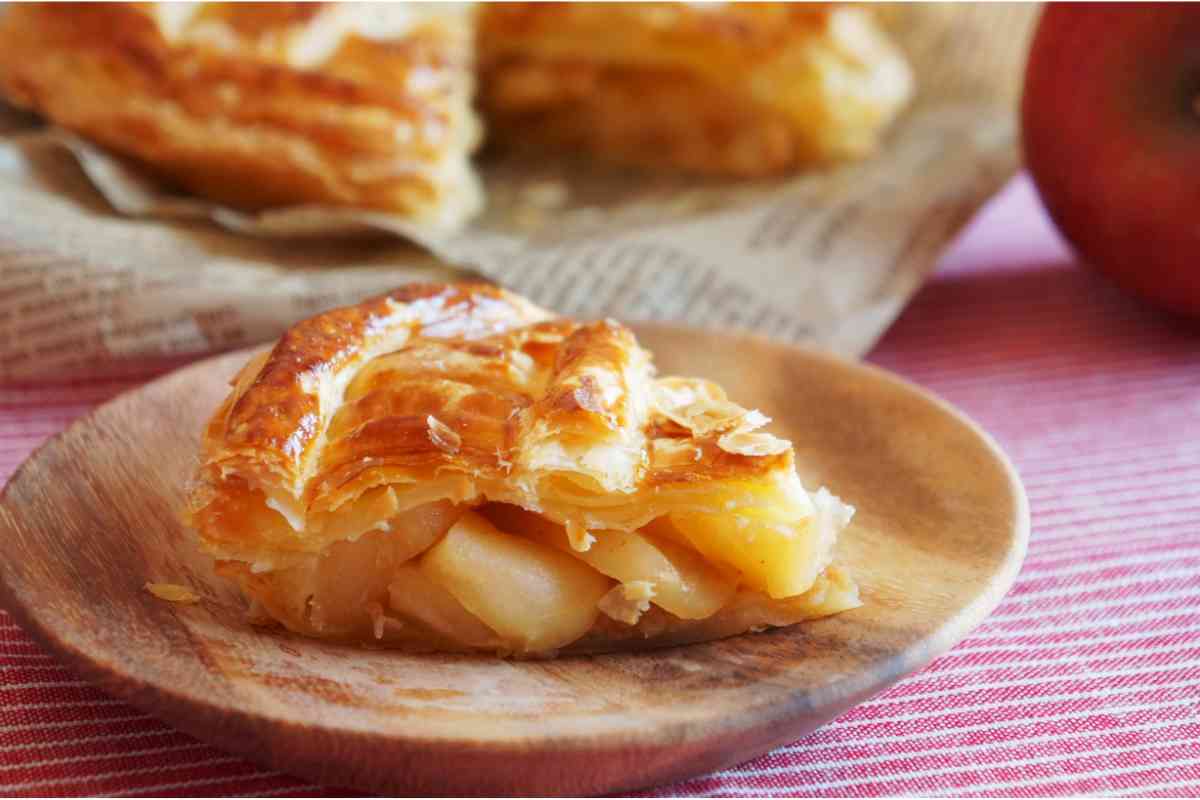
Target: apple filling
[[501, 578]]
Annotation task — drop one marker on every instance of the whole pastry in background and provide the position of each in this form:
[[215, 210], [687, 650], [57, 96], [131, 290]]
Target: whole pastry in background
[[449, 467], [264, 105], [369, 105], [725, 89]]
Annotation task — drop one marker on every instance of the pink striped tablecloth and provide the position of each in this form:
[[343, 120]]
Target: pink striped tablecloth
[[1086, 680]]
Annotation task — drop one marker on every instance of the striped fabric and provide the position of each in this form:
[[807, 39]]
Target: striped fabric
[[1086, 680]]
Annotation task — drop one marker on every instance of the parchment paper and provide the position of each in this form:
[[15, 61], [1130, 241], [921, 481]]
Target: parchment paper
[[99, 266]]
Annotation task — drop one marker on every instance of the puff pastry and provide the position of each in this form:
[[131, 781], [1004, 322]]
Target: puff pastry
[[739, 89], [369, 105], [264, 105], [449, 467]]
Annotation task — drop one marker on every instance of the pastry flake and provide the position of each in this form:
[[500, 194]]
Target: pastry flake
[[743, 89], [264, 105], [449, 467], [172, 593]]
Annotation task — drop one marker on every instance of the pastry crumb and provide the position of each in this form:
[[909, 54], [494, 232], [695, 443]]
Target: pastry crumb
[[380, 621], [627, 602], [579, 537], [547, 194], [745, 443], [172, 593], [443, 436]]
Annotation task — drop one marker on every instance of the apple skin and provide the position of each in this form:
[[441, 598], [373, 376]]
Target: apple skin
[[1110, 122]]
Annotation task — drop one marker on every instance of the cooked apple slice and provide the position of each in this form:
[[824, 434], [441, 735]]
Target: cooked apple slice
[[351, 574], [781, 559], [537, 598], [413, 595], [409, 532], [684, 584], [331, 593]]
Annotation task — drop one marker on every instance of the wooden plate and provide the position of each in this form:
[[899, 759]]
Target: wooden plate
[[940, 532]]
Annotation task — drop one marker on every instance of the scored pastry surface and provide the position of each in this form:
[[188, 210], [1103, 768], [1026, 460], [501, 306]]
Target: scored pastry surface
[[450, 467]]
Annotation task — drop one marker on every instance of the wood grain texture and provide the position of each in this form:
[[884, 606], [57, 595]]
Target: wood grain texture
[[939, 536]]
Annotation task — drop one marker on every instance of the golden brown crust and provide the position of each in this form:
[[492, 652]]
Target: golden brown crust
[[274, 412], [715, 39], [260, 106], [270, 424], [468, 392], [574, 390], [739, 89]]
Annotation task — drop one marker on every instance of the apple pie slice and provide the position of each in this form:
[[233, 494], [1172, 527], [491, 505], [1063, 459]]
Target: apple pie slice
[[449, 467], [264, 105], [719, 88]]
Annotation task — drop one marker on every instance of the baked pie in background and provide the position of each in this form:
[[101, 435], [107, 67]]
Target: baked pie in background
[[451, 468], [264, 105], [740, 89], [369, 105]]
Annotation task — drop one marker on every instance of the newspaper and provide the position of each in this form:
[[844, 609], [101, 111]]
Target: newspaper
[[100, 267]]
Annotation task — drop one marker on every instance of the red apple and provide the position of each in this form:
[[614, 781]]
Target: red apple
[[1111, 130]]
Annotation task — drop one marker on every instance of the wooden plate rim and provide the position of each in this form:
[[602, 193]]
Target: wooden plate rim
[[215, 724]]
